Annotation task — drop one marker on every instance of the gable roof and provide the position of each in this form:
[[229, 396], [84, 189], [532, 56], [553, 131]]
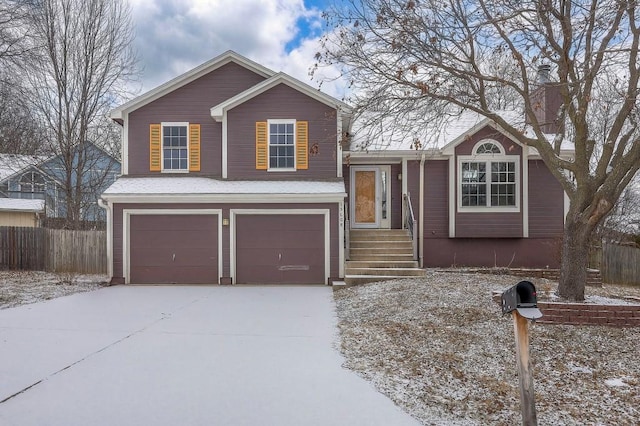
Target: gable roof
[[12, 164], [188, 77], [217, 112], [442, 137]]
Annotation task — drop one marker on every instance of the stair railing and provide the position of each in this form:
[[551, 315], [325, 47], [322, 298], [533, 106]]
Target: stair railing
[[410, 223], [347, 227]]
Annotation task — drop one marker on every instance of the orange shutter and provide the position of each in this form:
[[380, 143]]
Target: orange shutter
[[262, 146], [194, 147], [155, 147], [302, 145]]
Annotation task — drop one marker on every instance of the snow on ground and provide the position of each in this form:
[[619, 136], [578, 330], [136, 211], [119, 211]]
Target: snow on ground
[[22, 287], [440, 348]]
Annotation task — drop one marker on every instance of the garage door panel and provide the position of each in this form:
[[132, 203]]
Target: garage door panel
[[177, 239], [166, 248], [280, 249], [186, 257], [175, 275], [183, 222]]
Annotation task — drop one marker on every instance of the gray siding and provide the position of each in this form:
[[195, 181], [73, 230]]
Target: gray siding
[[281, 102], [191, 103]]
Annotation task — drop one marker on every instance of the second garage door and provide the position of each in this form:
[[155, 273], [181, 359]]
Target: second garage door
[[280, 249], [173, 249]]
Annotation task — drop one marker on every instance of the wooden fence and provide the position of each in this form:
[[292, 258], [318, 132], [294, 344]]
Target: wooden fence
[[620, 264], [53, 250]]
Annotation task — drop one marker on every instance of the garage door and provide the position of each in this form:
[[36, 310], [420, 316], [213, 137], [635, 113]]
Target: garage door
[[173, 249], [280, 249]]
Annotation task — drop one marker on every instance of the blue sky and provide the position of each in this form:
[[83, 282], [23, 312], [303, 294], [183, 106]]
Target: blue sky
[[173, 36]]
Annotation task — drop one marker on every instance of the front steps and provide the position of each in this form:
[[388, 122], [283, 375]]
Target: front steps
[[380, 255]]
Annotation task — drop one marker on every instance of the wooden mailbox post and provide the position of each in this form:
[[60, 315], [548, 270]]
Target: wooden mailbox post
[[521, 301]]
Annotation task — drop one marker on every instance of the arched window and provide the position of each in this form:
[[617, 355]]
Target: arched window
[[488, 178], [32, 183], [488, 148]]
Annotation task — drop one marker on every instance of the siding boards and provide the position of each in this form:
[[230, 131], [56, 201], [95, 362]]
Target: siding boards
[[395, 186], [281, 102], [546, 205], [191, 103], [436, 199], [492, 252]]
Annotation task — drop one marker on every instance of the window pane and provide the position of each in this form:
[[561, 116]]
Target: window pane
[[281, 145]]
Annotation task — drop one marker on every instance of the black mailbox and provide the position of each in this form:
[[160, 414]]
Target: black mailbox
[[521, 297]]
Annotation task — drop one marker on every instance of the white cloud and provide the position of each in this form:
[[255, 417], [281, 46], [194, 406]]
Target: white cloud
[[173, 36]]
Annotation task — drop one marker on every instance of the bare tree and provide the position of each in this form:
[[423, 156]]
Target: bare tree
[[19, 130], [14, 33], [85, 60], [429, 58]]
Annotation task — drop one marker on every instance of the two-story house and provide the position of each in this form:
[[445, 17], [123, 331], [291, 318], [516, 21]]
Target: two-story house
[[233, 173]]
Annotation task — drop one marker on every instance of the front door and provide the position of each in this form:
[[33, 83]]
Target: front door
[[370, 197]]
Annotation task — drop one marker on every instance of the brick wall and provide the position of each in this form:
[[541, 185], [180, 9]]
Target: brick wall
[[589, 314], [594, 278]]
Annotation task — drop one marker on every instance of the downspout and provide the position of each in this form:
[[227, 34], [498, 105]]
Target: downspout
[[421, 214], [107, 208]]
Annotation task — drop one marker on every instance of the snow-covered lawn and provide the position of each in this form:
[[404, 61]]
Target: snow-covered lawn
[[22, 287], [440, 348]]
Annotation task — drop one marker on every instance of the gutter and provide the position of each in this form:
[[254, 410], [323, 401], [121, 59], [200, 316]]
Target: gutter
[[421, 214]]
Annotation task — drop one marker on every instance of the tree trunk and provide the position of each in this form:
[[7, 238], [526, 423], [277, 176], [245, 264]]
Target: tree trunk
[[575, 259]]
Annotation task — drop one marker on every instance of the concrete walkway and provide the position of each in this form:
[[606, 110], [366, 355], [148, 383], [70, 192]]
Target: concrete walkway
[[165, 355]]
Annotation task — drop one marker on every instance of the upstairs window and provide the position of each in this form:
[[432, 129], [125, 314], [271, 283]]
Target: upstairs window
[[175, 147], [282, 145], [488, 180], [32, 185]]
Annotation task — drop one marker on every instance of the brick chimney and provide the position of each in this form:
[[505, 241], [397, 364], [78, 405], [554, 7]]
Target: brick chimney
[[546, 100]]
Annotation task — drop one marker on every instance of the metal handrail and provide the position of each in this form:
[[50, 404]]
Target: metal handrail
[[409, 223], [347, 227]]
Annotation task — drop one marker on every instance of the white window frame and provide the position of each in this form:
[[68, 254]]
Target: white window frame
[[488, 159], [173, 124], [295, 142]]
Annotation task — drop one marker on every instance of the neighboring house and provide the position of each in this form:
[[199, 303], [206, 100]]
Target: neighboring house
[[27, 213], [232, 173], [42, 178]]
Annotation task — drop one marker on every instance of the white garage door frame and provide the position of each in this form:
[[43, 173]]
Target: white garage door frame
[[278, 212], [126, 232]]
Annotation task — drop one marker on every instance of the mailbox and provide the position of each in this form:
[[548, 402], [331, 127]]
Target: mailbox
[[522, 298]]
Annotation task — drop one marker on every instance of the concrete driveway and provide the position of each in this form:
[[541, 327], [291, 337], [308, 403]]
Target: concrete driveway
[[133, 355]]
